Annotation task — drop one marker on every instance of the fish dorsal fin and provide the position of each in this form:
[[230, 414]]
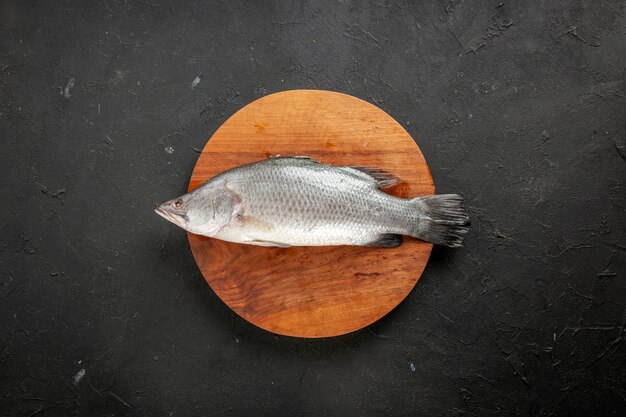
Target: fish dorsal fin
[[382, 179], [297, 158], [378, 177]]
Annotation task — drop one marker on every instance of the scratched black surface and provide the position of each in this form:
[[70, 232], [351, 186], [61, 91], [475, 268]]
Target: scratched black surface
[[517, 105]]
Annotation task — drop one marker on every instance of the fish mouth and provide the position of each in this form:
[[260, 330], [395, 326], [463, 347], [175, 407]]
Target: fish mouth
[[177, 219], [163, 213]]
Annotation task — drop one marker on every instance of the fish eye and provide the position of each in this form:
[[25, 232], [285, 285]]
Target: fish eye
[[177, 204]]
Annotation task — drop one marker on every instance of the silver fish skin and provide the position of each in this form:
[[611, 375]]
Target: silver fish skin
[[297, 201]]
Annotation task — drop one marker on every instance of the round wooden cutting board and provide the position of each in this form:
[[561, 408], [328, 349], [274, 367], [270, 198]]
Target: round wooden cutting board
[[313, 291]]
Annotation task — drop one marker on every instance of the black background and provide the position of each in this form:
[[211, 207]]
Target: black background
[[517, 105]]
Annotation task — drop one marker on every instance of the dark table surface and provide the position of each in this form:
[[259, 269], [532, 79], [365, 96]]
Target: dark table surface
[[519, 106]]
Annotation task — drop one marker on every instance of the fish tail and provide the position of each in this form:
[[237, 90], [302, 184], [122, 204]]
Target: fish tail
[[442, 219]]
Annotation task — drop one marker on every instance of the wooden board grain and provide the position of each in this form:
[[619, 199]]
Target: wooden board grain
[[313, 291]]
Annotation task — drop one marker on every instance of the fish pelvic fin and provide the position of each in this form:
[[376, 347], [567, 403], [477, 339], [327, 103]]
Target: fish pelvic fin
[[441, 219], [268, 243]]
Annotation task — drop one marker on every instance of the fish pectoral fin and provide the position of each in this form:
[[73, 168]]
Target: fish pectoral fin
[[269, 243], [382, 179], [388, 240], [257, 223]]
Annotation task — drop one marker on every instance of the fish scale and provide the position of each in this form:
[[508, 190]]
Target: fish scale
[[327, 206]]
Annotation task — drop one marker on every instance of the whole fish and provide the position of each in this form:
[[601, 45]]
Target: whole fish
[[297, 201]]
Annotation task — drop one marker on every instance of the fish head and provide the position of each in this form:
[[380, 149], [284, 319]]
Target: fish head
[[203, 211]]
